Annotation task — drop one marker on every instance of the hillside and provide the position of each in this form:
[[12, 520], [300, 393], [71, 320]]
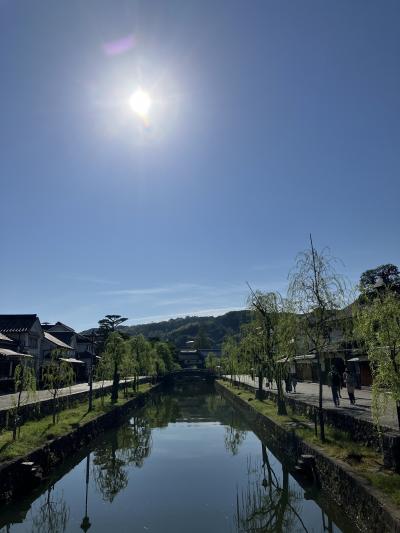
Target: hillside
[[181, 330]]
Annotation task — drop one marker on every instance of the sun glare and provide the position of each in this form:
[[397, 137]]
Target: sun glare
[[140, 103]]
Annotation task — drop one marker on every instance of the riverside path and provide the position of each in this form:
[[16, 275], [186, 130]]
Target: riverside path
[[308, 393], [7, 401]]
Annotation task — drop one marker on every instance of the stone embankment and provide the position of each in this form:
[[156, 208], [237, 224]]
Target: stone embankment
[[387, 440], [21, 475], [359, 500]]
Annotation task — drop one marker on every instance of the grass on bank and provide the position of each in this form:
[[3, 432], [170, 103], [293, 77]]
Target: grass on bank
[[365, 461], [35, 433]]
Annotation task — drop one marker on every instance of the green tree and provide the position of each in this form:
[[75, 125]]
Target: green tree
[[202, 341], [230, 356], [377, 325], [211, 361], [103, 371], [107, 325], [57, 374], [384, 276], [316, 292], [115, 351], [25, 381]]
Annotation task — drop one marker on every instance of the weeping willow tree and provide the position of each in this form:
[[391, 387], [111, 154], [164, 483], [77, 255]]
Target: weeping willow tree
[[25, 382], [377, 325], [268, 340], [268, 503], [317, 293]]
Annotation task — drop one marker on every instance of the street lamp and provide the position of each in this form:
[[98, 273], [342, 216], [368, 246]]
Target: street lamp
[[85, 521], [92, 342]]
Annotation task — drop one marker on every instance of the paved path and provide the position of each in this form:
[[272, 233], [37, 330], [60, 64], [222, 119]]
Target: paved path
[[9, 400], [308, 393]]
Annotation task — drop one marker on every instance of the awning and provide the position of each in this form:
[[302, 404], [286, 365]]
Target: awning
[[11, 353], [359, 359], [71, 360], [3, 338], [48, 336], [305, 358]]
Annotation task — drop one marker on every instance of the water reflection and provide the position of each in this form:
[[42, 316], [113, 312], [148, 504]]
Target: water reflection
[[127, 446], [52, 515], [187, 461]]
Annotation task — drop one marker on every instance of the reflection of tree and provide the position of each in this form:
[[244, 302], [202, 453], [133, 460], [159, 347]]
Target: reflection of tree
[[128, 445], [234, 438], [266, 505], [52, 516]]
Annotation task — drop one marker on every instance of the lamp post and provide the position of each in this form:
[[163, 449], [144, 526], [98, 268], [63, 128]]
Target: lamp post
[[92, 342], [85, 521]]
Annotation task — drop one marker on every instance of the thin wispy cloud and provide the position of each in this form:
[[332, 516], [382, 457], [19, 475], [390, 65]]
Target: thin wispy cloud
[[151, 290], [90, 279]]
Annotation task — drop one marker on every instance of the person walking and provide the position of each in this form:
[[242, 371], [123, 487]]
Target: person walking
[[350, 381], [294, 382], [334, 378], [288, 383]]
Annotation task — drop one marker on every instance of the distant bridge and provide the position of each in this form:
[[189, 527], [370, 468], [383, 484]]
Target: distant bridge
[[188, 374]]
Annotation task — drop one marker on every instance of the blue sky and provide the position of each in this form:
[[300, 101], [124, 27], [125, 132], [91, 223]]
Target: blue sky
[[270, 120]]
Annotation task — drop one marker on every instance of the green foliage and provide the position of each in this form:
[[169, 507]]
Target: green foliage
[[386, 276], [378, 327], [25, 381], [115, 351], [212, 361], [56, 375], [202, 341], [180, 330]]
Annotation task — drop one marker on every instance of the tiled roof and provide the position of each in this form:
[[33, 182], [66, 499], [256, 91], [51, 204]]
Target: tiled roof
[[16, 323], [64, 336], [54, 340], [3, 338]]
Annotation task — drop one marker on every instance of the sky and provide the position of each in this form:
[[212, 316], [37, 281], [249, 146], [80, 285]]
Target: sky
[[269, 120]]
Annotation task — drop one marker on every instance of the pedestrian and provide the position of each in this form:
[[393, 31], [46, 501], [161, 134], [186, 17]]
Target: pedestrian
[[350, 381], [288, 383], [294, 382], [334, 378]]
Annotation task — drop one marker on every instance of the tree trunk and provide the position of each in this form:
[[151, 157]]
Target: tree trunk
[[320, 410], [259, 393], [398, 411], [281, 399], [114, 390]]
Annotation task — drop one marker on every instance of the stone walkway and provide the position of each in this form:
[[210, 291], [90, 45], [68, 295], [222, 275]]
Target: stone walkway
[[9, 400], [308, 393]]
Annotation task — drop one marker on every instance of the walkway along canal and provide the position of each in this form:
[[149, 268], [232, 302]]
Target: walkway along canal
[[187, 461]]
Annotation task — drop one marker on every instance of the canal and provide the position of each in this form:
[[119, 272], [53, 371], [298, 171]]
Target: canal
[[187, 462]]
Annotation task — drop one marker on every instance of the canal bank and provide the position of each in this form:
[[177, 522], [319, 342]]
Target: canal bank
[[363, 504], [22, 474], [187, 460]]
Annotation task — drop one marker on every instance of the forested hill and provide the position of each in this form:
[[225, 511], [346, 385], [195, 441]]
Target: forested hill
[[181, 330]]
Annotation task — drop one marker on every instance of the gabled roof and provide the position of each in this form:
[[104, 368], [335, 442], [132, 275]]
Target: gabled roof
[[51, 338], [64, 336], [17, 323]]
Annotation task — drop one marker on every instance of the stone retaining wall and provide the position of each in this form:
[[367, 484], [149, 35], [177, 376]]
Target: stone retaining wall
[[44, 407], [360, 501], [387, 442], [16, 479]]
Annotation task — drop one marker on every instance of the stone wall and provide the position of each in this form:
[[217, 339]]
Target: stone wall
[[43, 408], [360, 501], [16, 479], [364, 431]]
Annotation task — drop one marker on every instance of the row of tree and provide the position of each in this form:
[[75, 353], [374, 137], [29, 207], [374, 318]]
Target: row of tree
[[302, 322]]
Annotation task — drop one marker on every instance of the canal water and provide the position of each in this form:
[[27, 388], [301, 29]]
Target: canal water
[[186, 463]]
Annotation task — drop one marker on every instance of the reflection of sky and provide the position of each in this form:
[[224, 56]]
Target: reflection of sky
[[268, 121], [189, 482]]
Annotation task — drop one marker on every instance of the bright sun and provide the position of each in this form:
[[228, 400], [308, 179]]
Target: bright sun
[[140, 102]]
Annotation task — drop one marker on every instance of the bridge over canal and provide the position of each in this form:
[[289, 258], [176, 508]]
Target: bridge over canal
[[191, 374]]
